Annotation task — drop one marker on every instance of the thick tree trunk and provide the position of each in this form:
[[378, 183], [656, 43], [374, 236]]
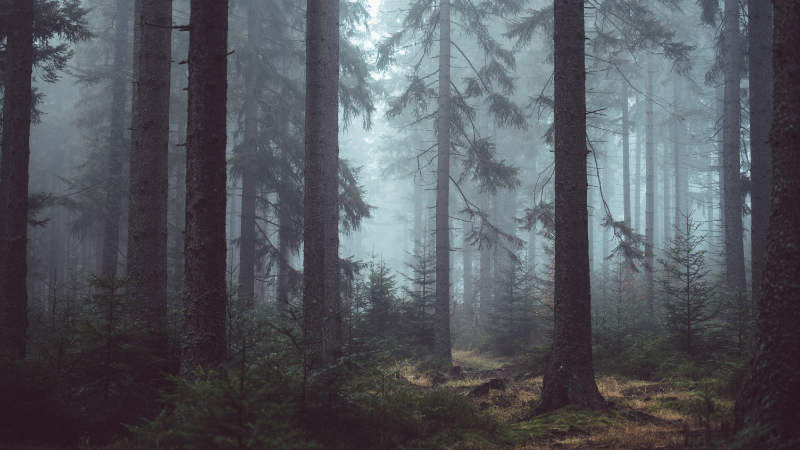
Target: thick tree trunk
[[180, 209], [247, 238], [441, 328], [14, 181], [116, 141], [760, 58], [569, 376], [205, 295], [650, 187], [770, 394], [322, 322], [147, 250], [731, 123]]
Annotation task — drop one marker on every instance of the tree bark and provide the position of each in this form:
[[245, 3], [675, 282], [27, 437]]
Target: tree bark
[[147, 250], [116, 141], [650, 187], [14, 181], [569, 376], [247, 238], [205, 295], [770, 393], [731, 123], [322, 321], [626, 150], [638, 183], [760, 58], [441, 340]]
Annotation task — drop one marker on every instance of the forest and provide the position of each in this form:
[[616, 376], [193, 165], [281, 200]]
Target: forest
[[399, 224]]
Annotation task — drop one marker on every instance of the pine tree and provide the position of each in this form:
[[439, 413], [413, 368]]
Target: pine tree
[[205, 294], [770, 393], [688, 293]]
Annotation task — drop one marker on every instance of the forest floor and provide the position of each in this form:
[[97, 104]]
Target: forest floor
[[669, 414]]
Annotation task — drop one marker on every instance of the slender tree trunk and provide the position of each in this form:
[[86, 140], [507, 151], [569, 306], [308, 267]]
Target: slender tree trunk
[[247, 239], [147, 251], [770, 393], [626, 165], [485, 273], [731, 124], [681, 168], [760, 58], [284, 253], [116, 141], [205, 295], [720, 97], [637, 196], [14, 180], [569, 376], [180, 208], [322, 323], [137, 49], [466, 254], [650, 187], [441, 340], [665, 197]]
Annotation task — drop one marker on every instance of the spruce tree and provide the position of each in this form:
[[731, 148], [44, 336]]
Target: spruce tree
[[687, 291]]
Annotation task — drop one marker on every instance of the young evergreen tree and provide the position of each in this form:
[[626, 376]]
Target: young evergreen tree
[[205, 293], [688, 293], [770, 393]]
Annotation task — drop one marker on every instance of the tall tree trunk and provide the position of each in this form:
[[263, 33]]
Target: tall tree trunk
[[650, 187], [569, 376], [626, 150], [731, 123], [116, 141], [719, 94], [441, 329], [678, 153], [322, 322], [147, 251], [284, 253], [485, 273], [638, 183], [14, 180], [466, 254], [247, 238], [205, 295], [180, 208], [666, 194], [137, 49], [760, 58], [770, 393]]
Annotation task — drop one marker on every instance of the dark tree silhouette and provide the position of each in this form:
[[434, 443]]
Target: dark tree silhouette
[[147, 250], [731, 123], [205, 296], [116, 141], [322, 321], [14, 180], [759, 34], [770, 394], [569, 376]]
